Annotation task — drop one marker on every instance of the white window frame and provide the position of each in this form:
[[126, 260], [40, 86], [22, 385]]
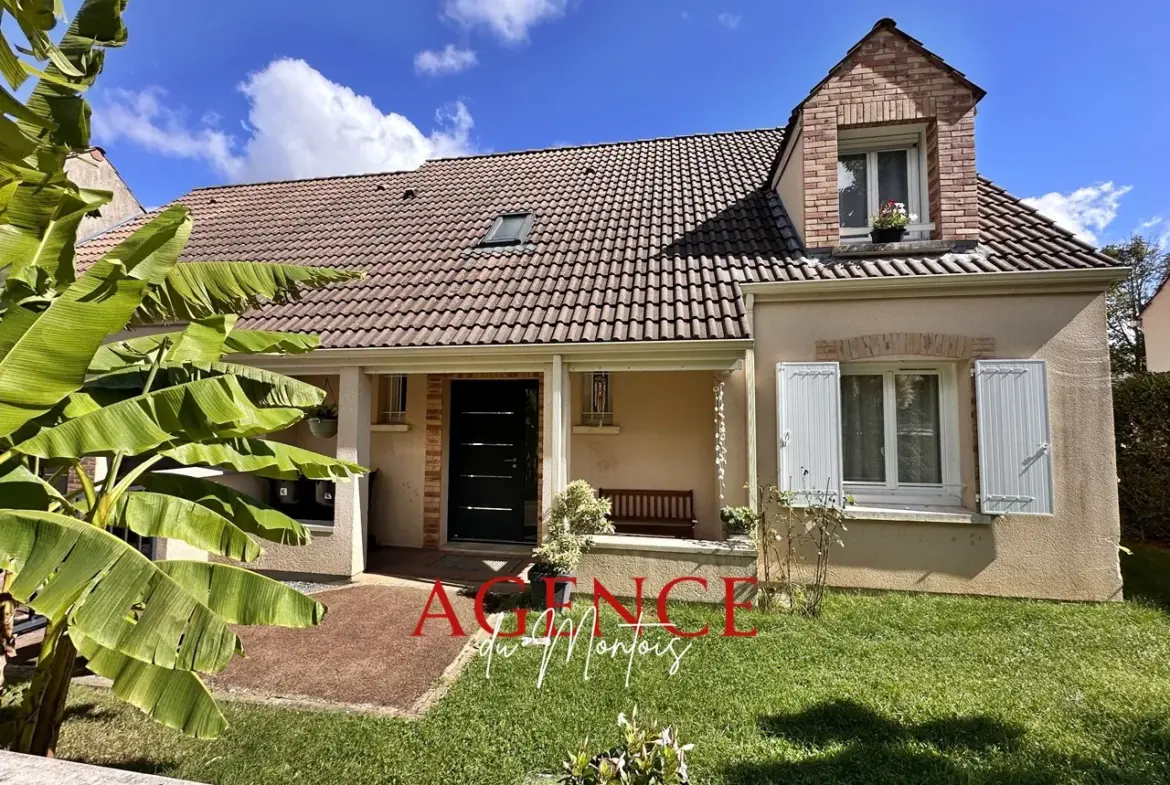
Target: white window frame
[[392, 399], [590, 414], [948, 493], [919, 193]]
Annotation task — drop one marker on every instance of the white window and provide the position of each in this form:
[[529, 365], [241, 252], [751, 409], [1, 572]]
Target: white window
[[899, 428], [597, 407], [887, 434], [392, 399], [873, 170]]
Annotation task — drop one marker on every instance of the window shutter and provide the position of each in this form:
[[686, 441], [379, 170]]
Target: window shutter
[[1015, 443], [808, 434]]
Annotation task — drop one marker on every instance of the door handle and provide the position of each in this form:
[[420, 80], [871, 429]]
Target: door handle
[[512, 461]]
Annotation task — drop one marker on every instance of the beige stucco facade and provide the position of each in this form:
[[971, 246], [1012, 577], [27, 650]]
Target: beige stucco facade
[[664, 439], [1156, 328], [1071, 555], [92, 169], [664, 428]]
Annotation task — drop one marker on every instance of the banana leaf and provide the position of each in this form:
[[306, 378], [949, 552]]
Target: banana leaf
[[98, 24], [141, 350], [111, 592], [270, 342], [263, 388], [161, 515], [239, 596], [213, 408], [48, 358], [251, 515], [195, 290], [265, 458], [174, 698], [151, 253], [20, 489], [202, 341], [38, 233]]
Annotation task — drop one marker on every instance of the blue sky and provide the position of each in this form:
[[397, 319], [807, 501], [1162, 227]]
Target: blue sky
[[219, 91]]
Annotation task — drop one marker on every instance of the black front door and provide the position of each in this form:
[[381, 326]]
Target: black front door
[[492, 425]]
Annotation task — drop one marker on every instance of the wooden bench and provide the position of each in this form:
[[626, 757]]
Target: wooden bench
[[666, 513]]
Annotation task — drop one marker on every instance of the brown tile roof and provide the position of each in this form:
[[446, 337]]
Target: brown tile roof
[[631, 241]]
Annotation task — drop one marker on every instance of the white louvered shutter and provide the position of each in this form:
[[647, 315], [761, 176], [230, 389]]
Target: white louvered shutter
[[808, 433], [1015, 442]]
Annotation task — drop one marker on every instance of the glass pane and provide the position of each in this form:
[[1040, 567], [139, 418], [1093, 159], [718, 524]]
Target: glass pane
[[852, 190], [894, 177], [919, 445], [863, 428], [509, 228]]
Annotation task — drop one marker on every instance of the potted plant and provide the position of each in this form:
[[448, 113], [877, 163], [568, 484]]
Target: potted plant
[[323, 421], [889, 225], [738, 522], [576, 514]]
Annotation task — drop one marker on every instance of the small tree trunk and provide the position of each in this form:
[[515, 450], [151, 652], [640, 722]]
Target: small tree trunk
[[7, 624], [44, 703]]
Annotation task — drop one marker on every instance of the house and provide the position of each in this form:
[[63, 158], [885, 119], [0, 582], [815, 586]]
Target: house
[[703, 314], [91, 168], [1155, 327]]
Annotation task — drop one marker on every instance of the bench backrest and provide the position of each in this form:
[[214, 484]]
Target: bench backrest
[[632, 505]]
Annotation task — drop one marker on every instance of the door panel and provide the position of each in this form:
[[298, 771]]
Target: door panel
[[487, 444]]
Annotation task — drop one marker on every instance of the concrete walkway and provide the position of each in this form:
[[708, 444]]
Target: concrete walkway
[[30, 770]]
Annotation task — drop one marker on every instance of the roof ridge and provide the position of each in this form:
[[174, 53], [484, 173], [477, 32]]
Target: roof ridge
[[616, 143], [502, 154]]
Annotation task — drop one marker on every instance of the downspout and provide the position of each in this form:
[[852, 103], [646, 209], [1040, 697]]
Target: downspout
[[749, 373]]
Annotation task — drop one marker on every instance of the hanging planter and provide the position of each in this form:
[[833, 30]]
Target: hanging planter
[[889, 225], [323, 421]]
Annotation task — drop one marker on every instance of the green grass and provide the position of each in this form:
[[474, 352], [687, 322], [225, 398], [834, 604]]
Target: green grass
[[887, 688]]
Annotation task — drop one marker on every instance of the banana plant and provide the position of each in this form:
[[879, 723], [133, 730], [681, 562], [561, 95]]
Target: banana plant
[[69, 394], [75, 400]]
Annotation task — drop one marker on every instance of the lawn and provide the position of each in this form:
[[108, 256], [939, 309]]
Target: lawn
[[888, 688]]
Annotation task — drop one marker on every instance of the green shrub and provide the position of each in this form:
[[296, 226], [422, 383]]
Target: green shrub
[[576, 514], [1141, 414], [646, 756]]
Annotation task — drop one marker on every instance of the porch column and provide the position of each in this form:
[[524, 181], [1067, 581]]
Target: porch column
[[351, 502], [558, 425]]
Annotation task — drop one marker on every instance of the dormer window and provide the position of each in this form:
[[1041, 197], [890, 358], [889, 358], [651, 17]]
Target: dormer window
[[875, 166], [508, 229]]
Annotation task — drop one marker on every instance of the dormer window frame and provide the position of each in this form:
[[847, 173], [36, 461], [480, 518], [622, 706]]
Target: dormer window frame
[[872, 141], [494, 238]]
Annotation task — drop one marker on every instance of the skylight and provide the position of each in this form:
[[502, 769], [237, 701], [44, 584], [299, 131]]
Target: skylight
[[509, 229]]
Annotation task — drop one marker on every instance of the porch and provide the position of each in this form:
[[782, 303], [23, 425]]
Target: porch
[[468, 454]]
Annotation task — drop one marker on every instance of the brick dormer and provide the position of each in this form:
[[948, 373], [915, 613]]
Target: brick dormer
[[890, 119]]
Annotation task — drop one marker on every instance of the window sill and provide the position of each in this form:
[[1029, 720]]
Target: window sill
[[318, 527], [918, 515], [390, 427], [597, 430]]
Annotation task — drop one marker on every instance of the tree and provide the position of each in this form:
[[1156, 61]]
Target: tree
[[68, 394], [1127, 298]]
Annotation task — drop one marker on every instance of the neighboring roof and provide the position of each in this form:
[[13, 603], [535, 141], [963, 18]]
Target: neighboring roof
[[631, 241]]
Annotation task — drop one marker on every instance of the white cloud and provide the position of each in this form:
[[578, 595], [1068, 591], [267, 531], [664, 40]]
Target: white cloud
[[1157, 228], [509, 19], [730, 21], [142, 118], [1084, 212], [299, 124], [448, 60]]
